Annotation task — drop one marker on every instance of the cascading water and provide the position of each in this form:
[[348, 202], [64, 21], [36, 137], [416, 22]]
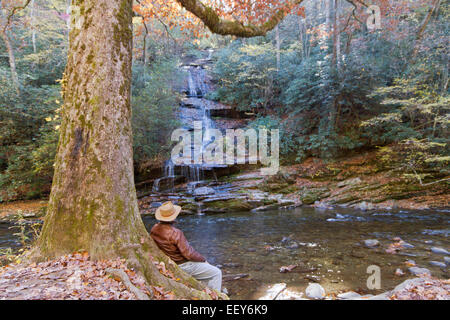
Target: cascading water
[[168, 179], [197, 89]]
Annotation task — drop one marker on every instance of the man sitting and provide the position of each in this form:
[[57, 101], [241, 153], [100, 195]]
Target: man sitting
[[174, 244]]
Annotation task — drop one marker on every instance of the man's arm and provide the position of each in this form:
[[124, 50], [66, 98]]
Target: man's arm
[[186, 250]]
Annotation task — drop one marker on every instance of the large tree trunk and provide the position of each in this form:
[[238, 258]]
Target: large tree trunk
[[93, 203]]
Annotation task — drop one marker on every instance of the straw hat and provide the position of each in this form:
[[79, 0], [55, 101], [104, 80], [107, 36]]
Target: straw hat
[[167, 212]]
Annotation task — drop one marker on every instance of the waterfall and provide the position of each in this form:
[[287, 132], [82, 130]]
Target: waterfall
[[197, 88], [169, 178], [192, 88], [169, 169]]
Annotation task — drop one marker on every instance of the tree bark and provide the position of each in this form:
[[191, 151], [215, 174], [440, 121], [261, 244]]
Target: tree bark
[[93, 203]]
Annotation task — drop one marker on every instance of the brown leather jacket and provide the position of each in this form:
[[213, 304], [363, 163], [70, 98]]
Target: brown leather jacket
[[174, 244]]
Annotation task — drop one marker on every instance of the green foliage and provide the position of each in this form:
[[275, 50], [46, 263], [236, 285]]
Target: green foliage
[[386, 89], [153, 104], [27, 140], [246, 76], [418, 159]]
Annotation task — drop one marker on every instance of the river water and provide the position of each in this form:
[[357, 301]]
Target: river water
[[315, 239]]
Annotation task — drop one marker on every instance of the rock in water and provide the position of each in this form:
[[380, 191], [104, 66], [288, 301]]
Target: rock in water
[[274, 291], [371, 243], [438, 264], [204, 191], [364, 206], [293, 245], [315, 291], [419, 271], [348, 295], [406, 245], [447, 260], [399, 272], [440, 250], [285, 269], [410, 263]]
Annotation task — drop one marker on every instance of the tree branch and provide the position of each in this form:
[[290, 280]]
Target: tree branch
[[427, 19], [355, 7], [13, 12], [222, 26]]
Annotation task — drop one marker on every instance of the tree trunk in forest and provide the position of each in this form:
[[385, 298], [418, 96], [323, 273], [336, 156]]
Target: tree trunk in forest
[[335, 34], [328, 15], [427, 19], [423, 27], [278, 46], [12, 60], [338, 33], [93, 203], [33, 27], [300, 34]]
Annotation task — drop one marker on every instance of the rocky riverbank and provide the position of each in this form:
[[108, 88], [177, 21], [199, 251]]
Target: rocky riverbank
[[356, 182], [421, 288]]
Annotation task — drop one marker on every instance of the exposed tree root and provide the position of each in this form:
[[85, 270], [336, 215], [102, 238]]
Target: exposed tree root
[[140, 295], [158, 270]]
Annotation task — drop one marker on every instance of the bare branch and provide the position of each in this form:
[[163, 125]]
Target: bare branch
[[355, 7], [13, 12]]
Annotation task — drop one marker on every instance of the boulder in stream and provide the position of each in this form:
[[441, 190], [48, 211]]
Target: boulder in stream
[[315, 291], [364, 206], [419, 271], [204, 191], [371, 243], [438, 264], [439, 251], [274, 291], [447, 260], [348, 295]]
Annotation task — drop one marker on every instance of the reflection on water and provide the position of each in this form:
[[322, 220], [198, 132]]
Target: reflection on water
[[260, 243]]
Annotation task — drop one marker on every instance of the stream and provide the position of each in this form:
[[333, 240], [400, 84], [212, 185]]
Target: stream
[[326, 245], [315, 239]]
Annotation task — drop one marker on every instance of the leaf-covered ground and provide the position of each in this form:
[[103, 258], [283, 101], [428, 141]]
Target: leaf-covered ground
[[73, 277], [424, 288]]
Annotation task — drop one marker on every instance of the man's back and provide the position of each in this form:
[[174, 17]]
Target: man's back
[[174, 244]]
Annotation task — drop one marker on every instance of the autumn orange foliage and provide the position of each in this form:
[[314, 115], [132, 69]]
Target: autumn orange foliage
[[171, 13]]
